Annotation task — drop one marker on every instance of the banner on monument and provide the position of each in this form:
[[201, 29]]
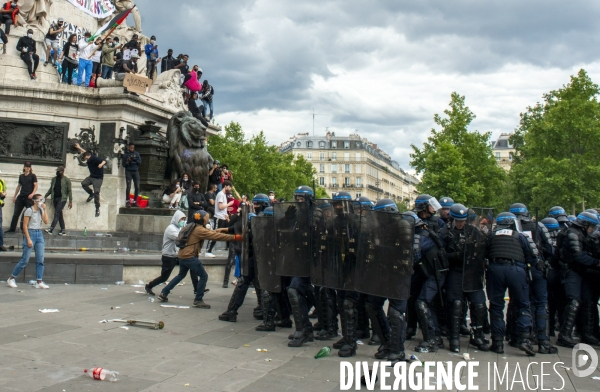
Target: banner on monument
[[135, 83], [99, 9]]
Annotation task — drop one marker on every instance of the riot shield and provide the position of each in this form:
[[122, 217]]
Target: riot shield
[[335, 255], [245, 258], [479, 225], [263, 240], [293, 224], [385, 254], [321, 229]]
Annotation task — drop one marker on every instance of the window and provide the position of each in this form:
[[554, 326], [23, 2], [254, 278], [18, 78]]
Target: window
[[321, 156], [347, 181], [497, 156], [334, 168], [322, 168], [346, 156], [309, 156], [333, 144], [322, 181], [510, 156], [358, 156], [333, 156], [321, 144], [357, 168], [309, 145], [358, 181], [333, 181], [298, 144], [358, 195], [346, 145], [347, 168]]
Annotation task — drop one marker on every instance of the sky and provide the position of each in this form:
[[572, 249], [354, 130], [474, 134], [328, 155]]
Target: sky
[[382, 68]]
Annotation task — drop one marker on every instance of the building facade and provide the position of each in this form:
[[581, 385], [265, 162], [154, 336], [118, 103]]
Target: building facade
[[355, 165], [503, 151]]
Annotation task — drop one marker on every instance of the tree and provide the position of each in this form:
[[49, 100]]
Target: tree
[[258, 167], [557, 145], [458, 163]]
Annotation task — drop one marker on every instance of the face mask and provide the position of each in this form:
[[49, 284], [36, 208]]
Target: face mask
[[196, 190], [177, 186], [271, 197], [30, 35], [182, 223], [185, 179], [58, 174], [152, 42]]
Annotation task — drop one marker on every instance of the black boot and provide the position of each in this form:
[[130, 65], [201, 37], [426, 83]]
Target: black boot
[[565, 336], [411, 319], [525, 344], [384, 348], [327, 315], [545, 347], [303, 332], [375, 340], [429, 343], [362, 329], [230, 262], [464, 328], [397, 334], [268, 312], [497, 345], [587, 330], [349, 329], [478, 312], [257, 313], [237, 298], [455, 318]]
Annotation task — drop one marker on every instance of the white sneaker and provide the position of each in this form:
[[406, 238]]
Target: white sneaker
[[11, 283], [41, 285], [209, 255]]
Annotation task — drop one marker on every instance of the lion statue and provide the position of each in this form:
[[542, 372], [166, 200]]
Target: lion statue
[[187, 148]]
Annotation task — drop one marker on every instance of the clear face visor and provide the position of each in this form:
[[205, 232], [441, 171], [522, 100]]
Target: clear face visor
[[435, 204], [518, 225]]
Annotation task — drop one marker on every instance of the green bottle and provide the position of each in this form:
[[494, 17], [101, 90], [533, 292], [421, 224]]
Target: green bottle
[[324, 352], [85, 231]]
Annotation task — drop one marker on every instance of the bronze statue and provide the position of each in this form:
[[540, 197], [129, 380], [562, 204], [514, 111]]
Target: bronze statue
[[187, 148]]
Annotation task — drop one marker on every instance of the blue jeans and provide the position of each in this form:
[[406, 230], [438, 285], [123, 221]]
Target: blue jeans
[[185, 265], [38, 244], [107, 72], [84, 66], [207, 105], [1, 231]]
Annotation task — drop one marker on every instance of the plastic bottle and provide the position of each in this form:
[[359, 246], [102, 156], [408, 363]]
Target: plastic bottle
[[324, 352], [85, 231], [97, 373], [122, 250]]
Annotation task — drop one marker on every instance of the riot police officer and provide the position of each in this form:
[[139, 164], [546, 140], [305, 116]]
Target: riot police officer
[[299, 287], [574, 252], [556, 292], [446, 203], [559, 213], [538, 284], [243, 283], [430, 272], [509, 252], [465, 247]]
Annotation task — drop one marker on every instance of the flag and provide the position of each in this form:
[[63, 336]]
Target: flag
[[112, 24]]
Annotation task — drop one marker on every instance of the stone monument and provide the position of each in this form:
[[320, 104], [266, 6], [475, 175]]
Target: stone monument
[[41, 119]]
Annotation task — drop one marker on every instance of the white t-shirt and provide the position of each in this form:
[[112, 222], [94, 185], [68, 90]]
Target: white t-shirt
[[35, 218], [221, 213]]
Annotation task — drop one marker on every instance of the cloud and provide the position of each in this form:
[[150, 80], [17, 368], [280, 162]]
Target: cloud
[[380, 67]]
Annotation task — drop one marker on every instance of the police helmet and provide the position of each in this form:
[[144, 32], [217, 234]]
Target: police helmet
[[551, 224], [558, 213], [520, 210], [508, 219], [305, 191], [342, 196], [593, 211], [363, 202], [418, 221], [262, 200], [571, 218], [268, 211], [250, 215], [424, 200], [323, 203], [458, 212], [386, 205], [586, 219], [446, 202]]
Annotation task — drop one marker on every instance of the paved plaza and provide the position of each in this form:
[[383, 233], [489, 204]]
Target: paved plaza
[[194, 352]]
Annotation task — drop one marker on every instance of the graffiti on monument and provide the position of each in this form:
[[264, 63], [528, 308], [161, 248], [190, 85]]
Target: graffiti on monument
[[40, 142]]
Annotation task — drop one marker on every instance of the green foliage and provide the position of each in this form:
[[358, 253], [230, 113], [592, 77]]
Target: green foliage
[[557, 146], [402, 206], [258, 167], [458, 163]]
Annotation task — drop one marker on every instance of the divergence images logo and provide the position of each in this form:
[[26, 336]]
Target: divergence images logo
[[581, 356]]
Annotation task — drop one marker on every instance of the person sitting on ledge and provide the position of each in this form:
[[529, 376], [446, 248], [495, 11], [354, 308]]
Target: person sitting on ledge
[[26, 48], [195, 110], [124, 67], [172, 194]]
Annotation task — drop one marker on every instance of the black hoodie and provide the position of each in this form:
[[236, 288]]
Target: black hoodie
[[26, 43]]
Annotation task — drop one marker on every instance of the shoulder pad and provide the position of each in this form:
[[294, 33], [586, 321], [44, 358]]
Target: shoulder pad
[[417, 242], [532, 246]]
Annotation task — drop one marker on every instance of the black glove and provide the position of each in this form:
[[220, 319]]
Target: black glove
[[290, 213]]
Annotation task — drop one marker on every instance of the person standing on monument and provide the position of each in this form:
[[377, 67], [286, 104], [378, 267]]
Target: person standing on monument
[[60, 192], [109, 50], [26, 48], [52, 41], [27, 187], [96, 168], [152, 57], [168, 62], [70, 62], [85, 63], [2, 197], [131, 161], [32, 240]]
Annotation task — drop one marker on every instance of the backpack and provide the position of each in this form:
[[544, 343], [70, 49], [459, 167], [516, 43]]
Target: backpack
[[117, 68], [184, 234]]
